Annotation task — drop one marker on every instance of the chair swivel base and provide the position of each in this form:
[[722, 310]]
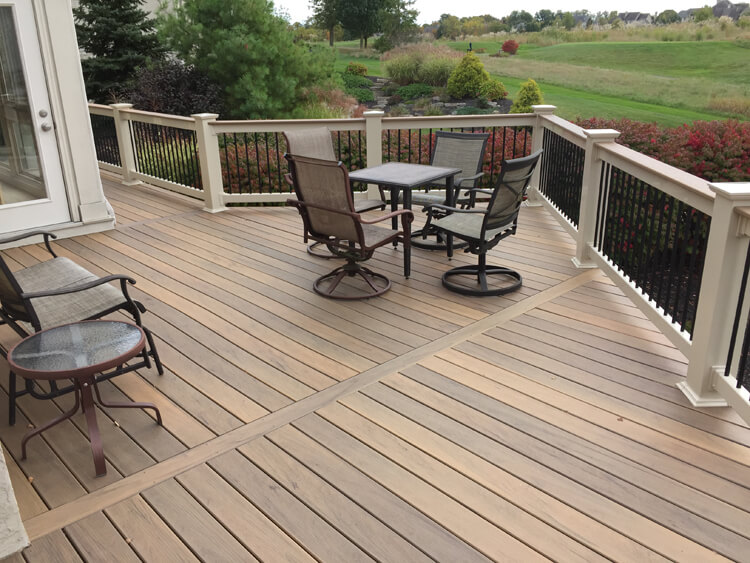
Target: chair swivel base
[[435, 242], [375, 284], [316, 249], [480, 273]]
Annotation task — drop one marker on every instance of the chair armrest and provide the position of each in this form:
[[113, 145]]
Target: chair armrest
[[439, 206], [298, 204], [288, 179], [47, 236], [406, 214], [479, 190], [468, 179], [76, 288]]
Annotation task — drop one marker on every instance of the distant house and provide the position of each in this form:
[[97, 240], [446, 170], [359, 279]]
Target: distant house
[[687, 15], [726, 8], [635, 18]]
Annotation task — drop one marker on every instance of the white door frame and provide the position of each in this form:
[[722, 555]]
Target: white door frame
[[54, 208]]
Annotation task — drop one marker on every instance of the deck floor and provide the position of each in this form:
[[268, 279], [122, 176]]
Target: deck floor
[[421, 425]]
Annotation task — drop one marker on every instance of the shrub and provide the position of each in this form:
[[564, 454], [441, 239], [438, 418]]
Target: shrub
[[356, 68], [355, 81], [510, 47], [493, 89], [416, 90], [433, 110], [500, 54], [175, 88], [468, 77], [361, 94], [469, 110], [480, 50], [528, 95], [326, 103], [402, 70], [383, 44], [717, 151], [436, 72]]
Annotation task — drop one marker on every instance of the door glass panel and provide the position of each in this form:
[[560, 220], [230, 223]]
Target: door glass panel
[[20, 173]]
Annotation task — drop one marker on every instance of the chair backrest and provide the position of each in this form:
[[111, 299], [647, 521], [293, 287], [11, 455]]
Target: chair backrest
[[324, 183], [315, 142], [460, 150], [509, 191], [10, 295]]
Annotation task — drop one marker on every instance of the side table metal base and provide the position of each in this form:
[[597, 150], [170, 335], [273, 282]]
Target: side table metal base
[[85, 400]]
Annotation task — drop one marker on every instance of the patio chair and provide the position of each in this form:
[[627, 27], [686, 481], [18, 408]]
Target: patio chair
[[482, 229], [316, 142], [326, 205], [59, 291], [453, 150]]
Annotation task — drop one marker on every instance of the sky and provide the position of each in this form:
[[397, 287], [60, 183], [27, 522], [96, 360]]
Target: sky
[[430, 10]]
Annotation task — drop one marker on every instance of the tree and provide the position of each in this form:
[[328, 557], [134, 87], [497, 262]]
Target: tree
[[521, 21], [326, 16], [449, 27], [568, 21], [362, 18], [244, 47], [399, 22], [703, 14], [545, 18], [120, 37], [667, 17]]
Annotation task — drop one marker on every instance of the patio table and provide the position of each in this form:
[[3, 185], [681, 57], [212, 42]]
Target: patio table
[[78, 351], [396, 176]]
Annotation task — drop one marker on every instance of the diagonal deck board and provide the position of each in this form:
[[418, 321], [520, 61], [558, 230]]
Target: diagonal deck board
[[419, 425]]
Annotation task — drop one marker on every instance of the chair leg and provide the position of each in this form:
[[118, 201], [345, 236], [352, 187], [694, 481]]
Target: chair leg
[[153, 352], [12, 399], [351, 269]]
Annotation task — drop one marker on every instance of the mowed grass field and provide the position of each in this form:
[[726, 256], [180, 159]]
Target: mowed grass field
[[670, 83]]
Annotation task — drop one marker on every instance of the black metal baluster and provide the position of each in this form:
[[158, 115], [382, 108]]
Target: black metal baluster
[[257, 163]]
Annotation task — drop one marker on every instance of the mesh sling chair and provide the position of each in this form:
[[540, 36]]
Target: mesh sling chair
[[316, 142], [482, 229], [59, 291], [325, 202], [453, 150]]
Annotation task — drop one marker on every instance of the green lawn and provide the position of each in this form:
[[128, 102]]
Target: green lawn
[[715, 60]]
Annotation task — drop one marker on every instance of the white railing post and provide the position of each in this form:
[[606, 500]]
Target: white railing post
[[537, 138], [374, 140], [210, 162], [720, 287], [125, 143], [589, 195]]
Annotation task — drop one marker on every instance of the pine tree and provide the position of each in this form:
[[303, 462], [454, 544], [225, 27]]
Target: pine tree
[[118, 37]]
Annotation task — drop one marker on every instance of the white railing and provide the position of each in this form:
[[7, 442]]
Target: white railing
[[590, 192]]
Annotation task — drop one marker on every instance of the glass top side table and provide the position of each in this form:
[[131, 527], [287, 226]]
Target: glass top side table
[[79, 351]]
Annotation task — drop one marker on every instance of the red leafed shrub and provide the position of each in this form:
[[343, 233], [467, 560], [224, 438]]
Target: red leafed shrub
[[510, 47], [718, 151]]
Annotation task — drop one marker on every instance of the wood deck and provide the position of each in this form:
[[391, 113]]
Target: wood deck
[[421, 425]]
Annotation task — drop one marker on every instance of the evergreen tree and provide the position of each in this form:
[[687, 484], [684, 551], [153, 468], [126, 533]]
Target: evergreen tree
[[119, 37]]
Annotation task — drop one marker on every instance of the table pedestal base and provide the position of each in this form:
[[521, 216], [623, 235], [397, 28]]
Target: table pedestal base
[[85, 399]]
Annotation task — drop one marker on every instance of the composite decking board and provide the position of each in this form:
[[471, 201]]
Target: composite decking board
[[567, 320], [376, 402], [319, 267], [225, 302], [363, 421], [221, 276], [619, 370], [575, 430], [232, 324], [607, 501], [714, 453], [146, 533], [52, 548], [461, 521], [241, 517], [517, 422], [426, 534], [554, 324], [235, 267], [371, 535], [193, 524], [245, 408], [96, 539], [313, 533]]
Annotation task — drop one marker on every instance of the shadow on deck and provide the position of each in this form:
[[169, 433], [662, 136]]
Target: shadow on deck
[[419, 425]]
